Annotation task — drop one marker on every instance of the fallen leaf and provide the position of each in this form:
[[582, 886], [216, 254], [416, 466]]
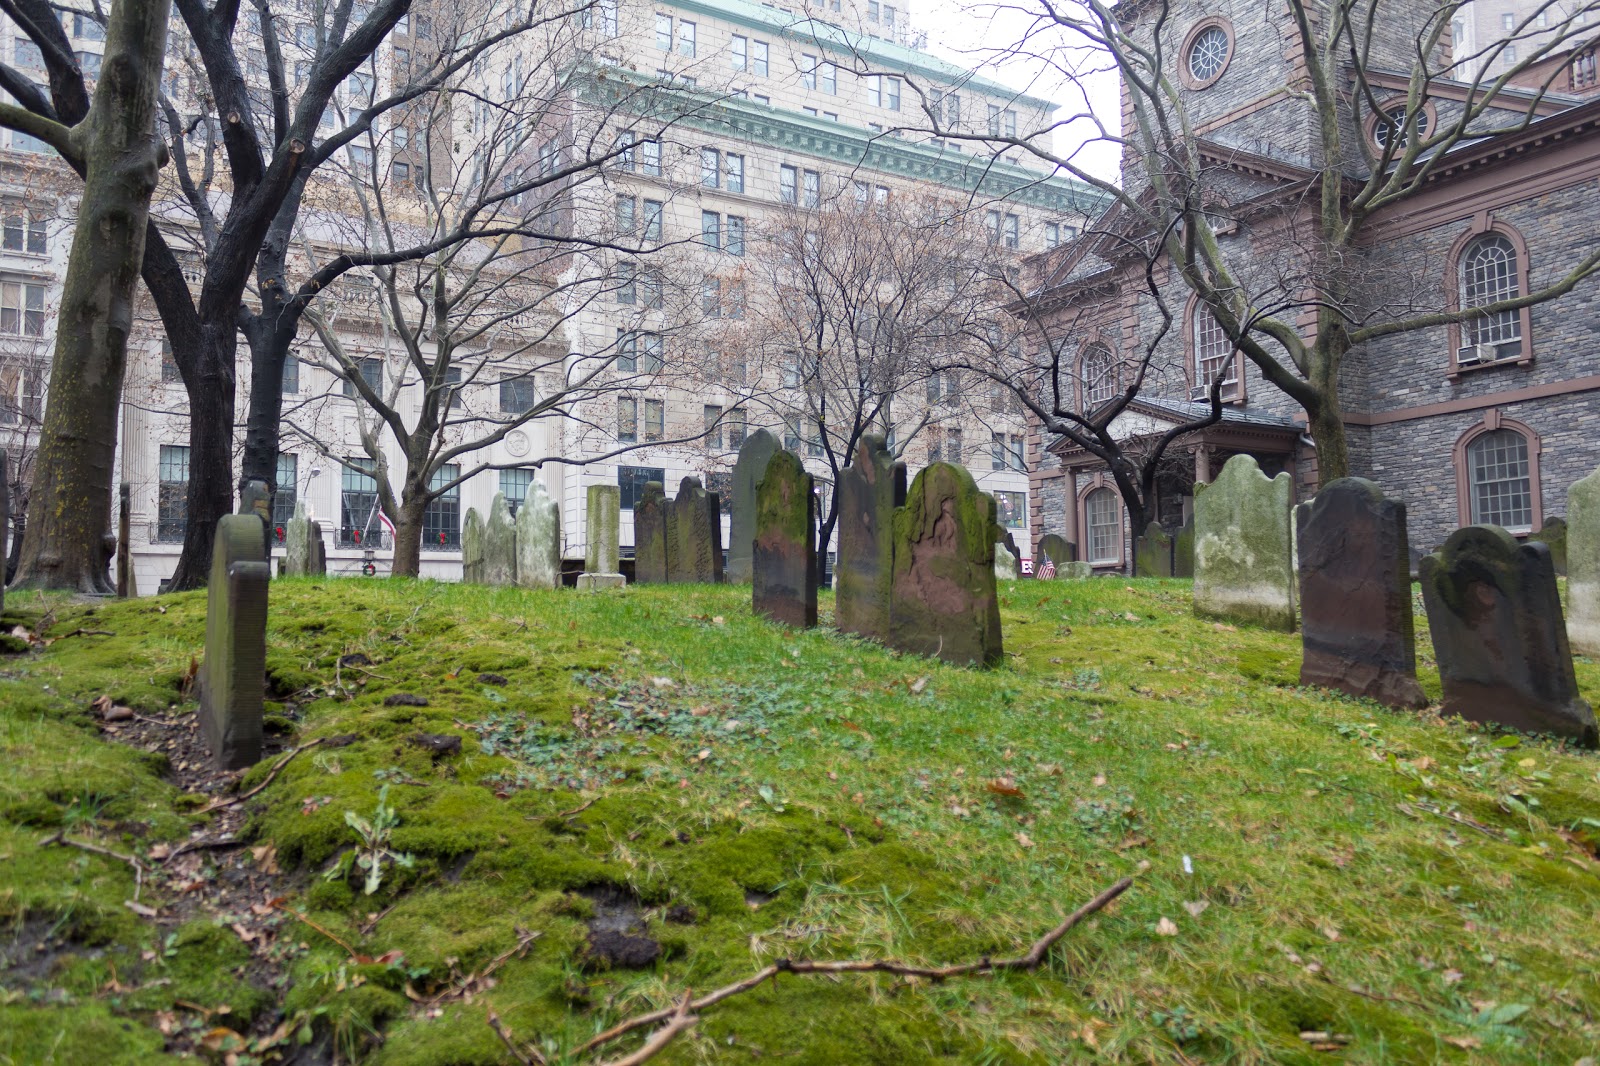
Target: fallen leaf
[[160, 851], [1166, 927], [1100, 780], [139, 908], [918, 685], [1004, 786], [1464, 1042], [1197, 908], [1450, 977], [1329, 930], [1025, 840]]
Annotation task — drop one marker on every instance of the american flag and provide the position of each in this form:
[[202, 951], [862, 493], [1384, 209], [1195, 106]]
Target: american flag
[[1047, 569]]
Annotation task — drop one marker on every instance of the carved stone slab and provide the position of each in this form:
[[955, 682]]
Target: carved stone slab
[[650, 565], [694, 535], [1243, 550], [784, 561], [233, 677], [869, 491], [757, 450], [499, 545], [1152, 552], [472, 548], [538, 536]]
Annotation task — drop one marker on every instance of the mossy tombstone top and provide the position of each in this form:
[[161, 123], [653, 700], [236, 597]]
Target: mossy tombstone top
[[1244, 549]]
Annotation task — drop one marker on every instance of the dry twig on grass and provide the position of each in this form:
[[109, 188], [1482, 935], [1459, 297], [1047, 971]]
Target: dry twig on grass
[[217, 805], [83, 845], [683, 1015]]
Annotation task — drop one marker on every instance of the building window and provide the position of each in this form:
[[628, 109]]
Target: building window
[[997, 451], [758, 61], [1052, 234], [813, 188], [952, 446], [733, 168], [1206, 53], [632, 480], [1012, 234], [713, 416], [734, 244], [737, 428], [991, 223], [1490, 273], [739, 52], [21, 393], [791, 433], [828, 77], [1103, 519], [21, 309], [686, 38], [1097, 375], [788, 184], [1500, 480], [358, 505], [1012, 509], [371, 370], [24, 234], [516, 394], [710, 167], [711, 298], [625, 215], [652, 221], [514, 485], [650, 158], [290, 384], [663, 32], [655, 419], [441, 519], [1213, 354], [454, 397], [169, 365], [1019, 452], [808, 71], [627, 289], [172, 505], [283, 499], [711, 229], [627, 419]]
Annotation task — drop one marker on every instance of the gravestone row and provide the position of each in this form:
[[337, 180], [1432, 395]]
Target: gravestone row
[[679, 540], [524, 551]]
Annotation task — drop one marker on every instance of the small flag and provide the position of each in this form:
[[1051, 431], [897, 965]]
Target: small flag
[[1047, 569], [386, 523]]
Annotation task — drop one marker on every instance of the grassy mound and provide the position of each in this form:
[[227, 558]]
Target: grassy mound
[[657, 778]]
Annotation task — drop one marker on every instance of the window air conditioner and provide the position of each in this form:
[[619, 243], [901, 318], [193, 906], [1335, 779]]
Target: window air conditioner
[[1475, 353]]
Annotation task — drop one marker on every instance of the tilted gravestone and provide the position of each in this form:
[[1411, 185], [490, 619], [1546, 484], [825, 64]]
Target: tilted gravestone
[[499, 545], [233, 677], [1243, 551], [472, 548], [5, 522], [869, 491], [1355, 594], [1554, 536], [1056, 550], [1005, 563], [784, 554], [650, 565], [754, 455], [602, 532], [297, 543], [538, 536], [1152, 553], [319, 552], [1583, 565], [1498, 635], [1183, 550], [694, 535], [944, 601]]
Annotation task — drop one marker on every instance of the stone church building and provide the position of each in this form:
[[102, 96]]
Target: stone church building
[[1484, 421]]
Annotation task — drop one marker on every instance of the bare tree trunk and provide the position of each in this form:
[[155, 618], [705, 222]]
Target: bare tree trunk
[[1326, 419], [408, 533], [209, 495], [69, 508]]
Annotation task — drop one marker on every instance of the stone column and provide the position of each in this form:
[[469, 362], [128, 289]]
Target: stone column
[[602, 532]]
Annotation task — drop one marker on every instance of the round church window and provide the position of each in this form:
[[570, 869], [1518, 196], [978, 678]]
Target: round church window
[[1208, 54]]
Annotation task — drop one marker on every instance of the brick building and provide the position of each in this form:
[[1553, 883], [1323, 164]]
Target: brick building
[[1488, 420]]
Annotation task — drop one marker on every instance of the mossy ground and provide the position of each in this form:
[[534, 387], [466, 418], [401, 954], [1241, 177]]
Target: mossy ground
[[1304, 862]]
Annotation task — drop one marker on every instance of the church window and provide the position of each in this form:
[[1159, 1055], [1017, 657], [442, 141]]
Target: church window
[[1207, 54]]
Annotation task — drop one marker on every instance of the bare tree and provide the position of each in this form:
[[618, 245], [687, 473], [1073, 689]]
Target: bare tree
[[1376, 103]]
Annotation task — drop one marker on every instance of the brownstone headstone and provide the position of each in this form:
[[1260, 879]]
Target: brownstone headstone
[[1355, 594], [1499, 636], [694, 535], [650, 535], [784, 559], [869, 491]]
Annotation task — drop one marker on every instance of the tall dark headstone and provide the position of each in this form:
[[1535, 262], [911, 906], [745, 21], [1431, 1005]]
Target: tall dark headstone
[[233, 677], [784, 561], [1499, 636], [754, 454], [124, 533], [1152, 553], [255, 498], [694, 535], [1355, 594], [5, 522], [1055, 548], [869, 491], [1183, 551], [944, 601], [650, 535], [319, 551]]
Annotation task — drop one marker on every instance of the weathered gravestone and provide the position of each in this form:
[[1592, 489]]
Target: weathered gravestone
[[1554, 537], [125, 582], [602, 533], [297, 543], [1355, 594], [1005, 563], [869, 491], [1583, 565], [944, 600], [694, 535], [1055, 550], [318, 566], [233, 676], [472, 548], [5, 522], [1183, 550], [499, 545], [255, 498], [1498, 635], [784, 554], [1152, 553], [538, 536], [1075, 571], [1243, 555], [650, 565], [754, 455]]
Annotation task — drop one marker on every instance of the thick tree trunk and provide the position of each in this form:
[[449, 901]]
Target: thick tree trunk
[[1326, 419], [69, 507], [209, 495], [269, 349], [825, 532], [408, 533]]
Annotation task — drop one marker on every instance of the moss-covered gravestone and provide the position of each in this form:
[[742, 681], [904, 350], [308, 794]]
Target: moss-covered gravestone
[[499, 545], [650, 535], [944, 601], [1583, 565], [233, 675], [1554, 537], [1152, 552], [1355, 594], [472, 548], [297, 543], [255, 498], [1075, 571], [784, 554], [1005, 563], [1055, 550], [754, 455], [602, 538], [1499, 637], [5, 522], [694, 535], [869, 491], [538, 529], [1183, 550], [1243, 553]]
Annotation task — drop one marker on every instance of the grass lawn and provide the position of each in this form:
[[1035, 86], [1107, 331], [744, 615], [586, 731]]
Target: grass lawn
[[1411, 889]]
